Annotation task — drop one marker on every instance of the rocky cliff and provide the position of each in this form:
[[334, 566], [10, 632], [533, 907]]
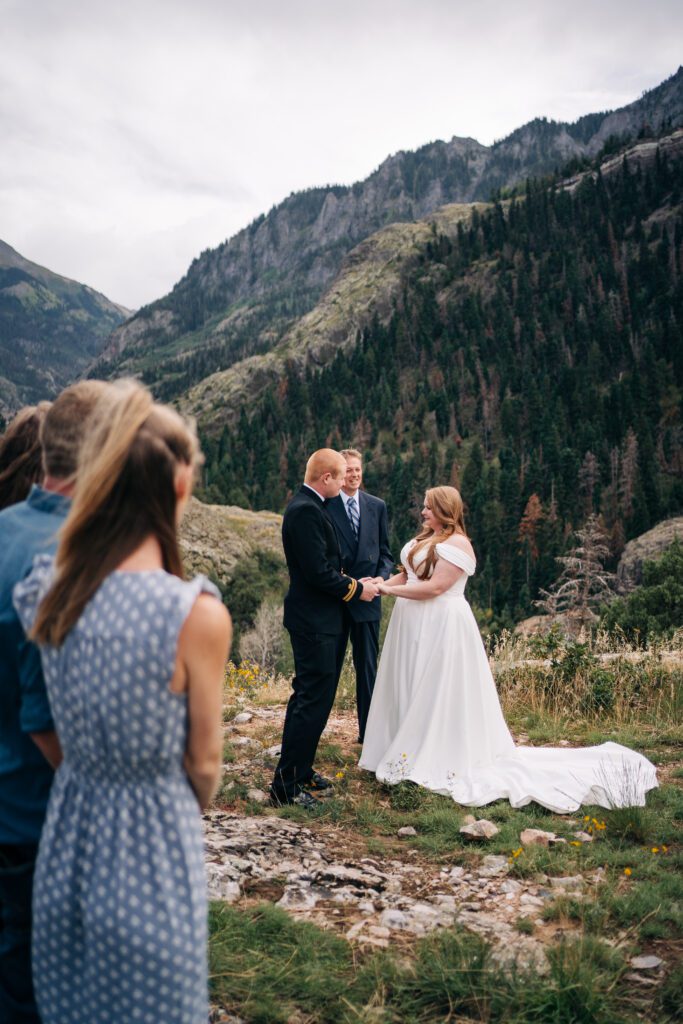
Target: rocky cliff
[[241, 298], [213, 538]]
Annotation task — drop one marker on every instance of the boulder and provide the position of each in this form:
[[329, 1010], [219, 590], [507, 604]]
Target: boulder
[[646, 548], [536, 837], [481, 829], [645, 963], [406, 832]]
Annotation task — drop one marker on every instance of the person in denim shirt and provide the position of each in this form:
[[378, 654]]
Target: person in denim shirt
[[29, 749]]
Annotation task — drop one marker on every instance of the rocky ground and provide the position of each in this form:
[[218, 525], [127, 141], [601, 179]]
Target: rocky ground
[[320, 871]]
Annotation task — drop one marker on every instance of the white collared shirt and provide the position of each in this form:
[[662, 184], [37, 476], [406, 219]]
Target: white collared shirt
[[321, 496], [346, 497]]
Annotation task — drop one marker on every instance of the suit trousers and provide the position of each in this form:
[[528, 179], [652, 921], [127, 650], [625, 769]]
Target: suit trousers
[[365, 647], [17, 1004], [313, 690]]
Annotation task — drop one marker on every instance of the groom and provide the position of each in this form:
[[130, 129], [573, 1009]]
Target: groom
[[318, 592], [361, 521]]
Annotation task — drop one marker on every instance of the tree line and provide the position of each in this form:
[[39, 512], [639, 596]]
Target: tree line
[[535, 360]]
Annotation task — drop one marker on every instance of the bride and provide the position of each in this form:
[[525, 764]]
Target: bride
[[435, 717]]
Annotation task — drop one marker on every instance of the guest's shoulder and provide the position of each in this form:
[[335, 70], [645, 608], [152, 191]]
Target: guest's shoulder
[[372, 499]]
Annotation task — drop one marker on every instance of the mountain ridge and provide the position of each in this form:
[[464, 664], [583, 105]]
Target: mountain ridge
[[242, 297], [51, 327]]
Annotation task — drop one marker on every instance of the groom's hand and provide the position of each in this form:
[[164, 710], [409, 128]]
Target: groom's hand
[[370, 591]]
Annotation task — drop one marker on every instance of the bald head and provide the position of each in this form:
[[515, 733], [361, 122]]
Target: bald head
[[325, 472]]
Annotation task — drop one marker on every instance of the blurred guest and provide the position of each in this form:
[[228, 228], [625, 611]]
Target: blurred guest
[[134, 659], [21, 455], [29, 750]]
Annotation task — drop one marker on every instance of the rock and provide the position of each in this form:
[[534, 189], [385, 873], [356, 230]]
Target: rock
[[297, 899], [568, 882], [536, 837], [642, 979], [396, 920], [406, 831], [273, 751], [244, 741], [481, 829], [379, 931], [221, 885], [645, 548], [583, 837], [510, 886], [342, 874], [242, 718], [257, 796], [493, 865], [469, 819], [645, 963], [456, 873], [354, 930]]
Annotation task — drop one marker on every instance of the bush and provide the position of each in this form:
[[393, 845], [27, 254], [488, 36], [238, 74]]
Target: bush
[[655, 609]]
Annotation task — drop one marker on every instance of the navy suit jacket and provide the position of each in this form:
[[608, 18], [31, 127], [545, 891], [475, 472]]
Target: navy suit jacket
[[370, 554]]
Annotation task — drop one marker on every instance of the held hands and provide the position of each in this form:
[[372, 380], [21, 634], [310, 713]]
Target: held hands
[[370, 589]]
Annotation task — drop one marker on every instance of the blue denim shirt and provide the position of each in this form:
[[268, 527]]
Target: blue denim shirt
[[26, 529]]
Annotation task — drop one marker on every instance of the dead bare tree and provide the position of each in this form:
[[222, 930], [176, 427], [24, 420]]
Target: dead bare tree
[[263, 642], [584, 583]]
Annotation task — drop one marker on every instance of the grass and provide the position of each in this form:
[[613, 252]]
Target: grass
[[267, 967], [270, 969]]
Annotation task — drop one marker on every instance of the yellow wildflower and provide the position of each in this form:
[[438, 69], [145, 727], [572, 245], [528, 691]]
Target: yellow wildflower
[[339, 775], [574, 842], [655, 849], [627, 872]]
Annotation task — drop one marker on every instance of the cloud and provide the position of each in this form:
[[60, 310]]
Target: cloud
[[136, 135]]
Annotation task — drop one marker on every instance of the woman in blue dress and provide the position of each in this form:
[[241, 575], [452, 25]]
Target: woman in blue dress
[[133, 658]]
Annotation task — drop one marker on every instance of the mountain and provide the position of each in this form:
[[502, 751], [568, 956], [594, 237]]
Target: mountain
[[529, 350], [51, 328], [241, 298]]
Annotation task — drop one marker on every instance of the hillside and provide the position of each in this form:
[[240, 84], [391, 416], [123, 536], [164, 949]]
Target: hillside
[[215, 538], [51, 328], [530, 351], [241, 298]]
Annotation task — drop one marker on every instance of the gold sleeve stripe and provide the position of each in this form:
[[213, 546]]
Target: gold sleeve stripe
[[353, 586]]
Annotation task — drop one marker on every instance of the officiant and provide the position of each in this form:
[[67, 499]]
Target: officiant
[[362, 525]]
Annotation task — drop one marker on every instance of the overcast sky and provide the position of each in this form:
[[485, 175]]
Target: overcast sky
[[133, 135]]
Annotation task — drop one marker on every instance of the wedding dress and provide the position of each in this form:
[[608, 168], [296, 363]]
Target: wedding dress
[[436, 720]]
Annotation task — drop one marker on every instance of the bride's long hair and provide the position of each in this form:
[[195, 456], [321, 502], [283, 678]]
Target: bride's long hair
[[446, 504]]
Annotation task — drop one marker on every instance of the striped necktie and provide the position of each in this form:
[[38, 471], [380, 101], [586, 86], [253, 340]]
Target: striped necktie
[[354, 517]]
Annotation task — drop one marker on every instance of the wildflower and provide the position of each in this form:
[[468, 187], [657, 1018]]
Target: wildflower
[[575, 842], [586, 817], [627, 872], [516, 853], [655, 849], [665, 849], [339, 775]]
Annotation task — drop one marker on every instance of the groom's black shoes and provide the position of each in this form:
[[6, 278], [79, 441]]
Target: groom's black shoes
[[300, 799], [317, 784]]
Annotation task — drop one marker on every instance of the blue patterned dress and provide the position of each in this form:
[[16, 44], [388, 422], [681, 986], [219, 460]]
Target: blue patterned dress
[[119, 902]]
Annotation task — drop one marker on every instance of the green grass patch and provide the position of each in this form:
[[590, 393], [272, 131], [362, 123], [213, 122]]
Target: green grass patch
[[270, 969]]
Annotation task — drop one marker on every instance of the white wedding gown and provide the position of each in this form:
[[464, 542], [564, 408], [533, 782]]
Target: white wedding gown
[[435, 718]]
